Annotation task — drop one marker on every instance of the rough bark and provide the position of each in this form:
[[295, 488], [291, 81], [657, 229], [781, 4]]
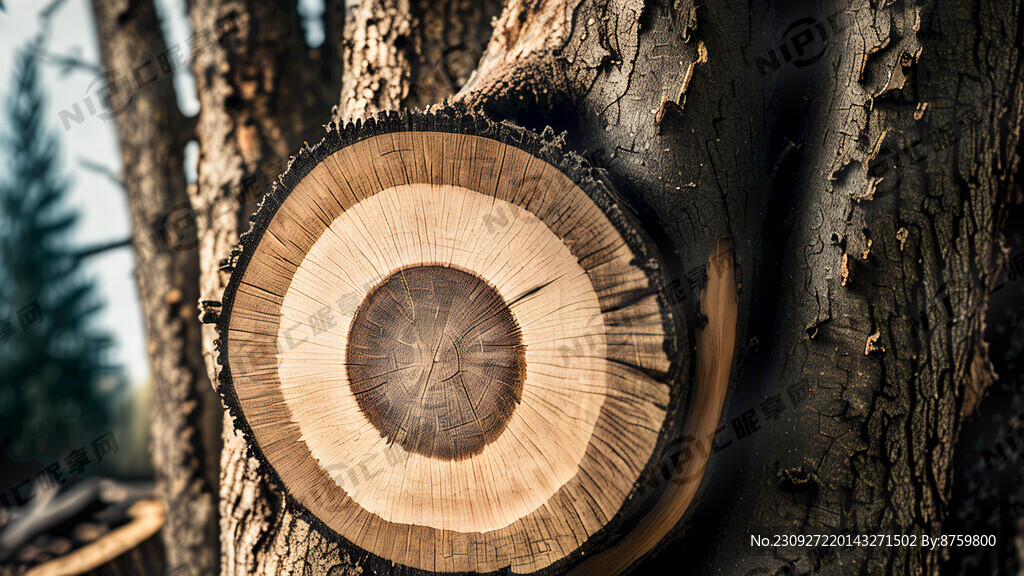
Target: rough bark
[[410, 53], [885, 275], [185, 417]]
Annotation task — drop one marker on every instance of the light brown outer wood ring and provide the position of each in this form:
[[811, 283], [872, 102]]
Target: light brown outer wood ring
[[534, 542]]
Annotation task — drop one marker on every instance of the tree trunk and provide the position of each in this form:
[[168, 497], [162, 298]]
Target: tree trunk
[[844, 276], [254, 95], [410, 53], [909, 154], [185, 416]]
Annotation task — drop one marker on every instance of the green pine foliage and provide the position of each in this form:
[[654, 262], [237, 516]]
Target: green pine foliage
[[52, 370]]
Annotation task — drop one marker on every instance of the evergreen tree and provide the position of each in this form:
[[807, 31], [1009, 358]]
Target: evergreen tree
[[51, 356]]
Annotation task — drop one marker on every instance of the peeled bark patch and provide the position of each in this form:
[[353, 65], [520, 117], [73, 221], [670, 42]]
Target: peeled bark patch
[[446, 339]]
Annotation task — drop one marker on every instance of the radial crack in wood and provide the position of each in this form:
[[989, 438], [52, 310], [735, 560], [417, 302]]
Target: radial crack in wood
[[448, 341]]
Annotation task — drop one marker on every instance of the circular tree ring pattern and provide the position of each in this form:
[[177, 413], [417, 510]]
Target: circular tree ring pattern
[[435, 360], [450, 353]]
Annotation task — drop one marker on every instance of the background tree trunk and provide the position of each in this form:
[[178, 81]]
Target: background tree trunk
[[186, 412], [255, 98]]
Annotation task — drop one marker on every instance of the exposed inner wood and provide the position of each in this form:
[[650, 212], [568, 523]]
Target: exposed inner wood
[[550, 296], [716, 346], [592, 403], [435, 360]]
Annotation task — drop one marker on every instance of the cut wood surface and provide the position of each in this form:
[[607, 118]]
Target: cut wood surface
[[716, 347], [436, 361], [451, 353]]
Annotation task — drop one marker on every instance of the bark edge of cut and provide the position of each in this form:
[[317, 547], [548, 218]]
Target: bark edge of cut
[[546, 147]]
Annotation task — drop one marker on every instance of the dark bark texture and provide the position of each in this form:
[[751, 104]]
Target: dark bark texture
[[186, 412], [908, 152]]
